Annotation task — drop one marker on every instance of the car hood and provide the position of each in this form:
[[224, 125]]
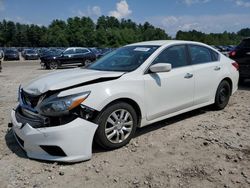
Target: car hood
[[68, 79]]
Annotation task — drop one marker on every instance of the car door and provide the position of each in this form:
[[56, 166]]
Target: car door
[[207, 72], [81, 55], [169, 92], [67, 56]]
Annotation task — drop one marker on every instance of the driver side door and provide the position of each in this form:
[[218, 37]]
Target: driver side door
[[173, 91]]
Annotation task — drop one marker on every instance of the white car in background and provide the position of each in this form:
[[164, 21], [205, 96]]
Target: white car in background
[[60, 114]]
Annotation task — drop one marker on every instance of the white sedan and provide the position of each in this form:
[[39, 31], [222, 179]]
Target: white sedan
[[60, 114]]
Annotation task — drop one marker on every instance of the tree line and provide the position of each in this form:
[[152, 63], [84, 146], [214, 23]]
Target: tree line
[[106, 32], [225, 38]]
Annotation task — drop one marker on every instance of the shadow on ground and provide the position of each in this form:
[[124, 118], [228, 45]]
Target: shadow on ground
[[161, 124], [13, 145]]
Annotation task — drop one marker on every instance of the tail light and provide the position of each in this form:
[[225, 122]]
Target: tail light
[[232, 53], [236, 65]]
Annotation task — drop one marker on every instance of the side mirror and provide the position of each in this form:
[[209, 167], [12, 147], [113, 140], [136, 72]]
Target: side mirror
[[160, 67]]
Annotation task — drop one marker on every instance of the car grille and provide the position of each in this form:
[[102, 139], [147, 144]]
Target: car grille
[[36, 121]]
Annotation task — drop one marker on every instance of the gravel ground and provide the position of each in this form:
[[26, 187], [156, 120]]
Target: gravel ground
[[202, 148]]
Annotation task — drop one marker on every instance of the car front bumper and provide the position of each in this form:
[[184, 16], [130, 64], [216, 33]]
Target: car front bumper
[[71, 142]]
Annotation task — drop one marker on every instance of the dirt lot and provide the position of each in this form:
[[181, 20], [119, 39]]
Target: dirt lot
[[203, 148]]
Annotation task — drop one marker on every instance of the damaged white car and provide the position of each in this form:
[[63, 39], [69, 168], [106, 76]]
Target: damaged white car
[[60, 114]]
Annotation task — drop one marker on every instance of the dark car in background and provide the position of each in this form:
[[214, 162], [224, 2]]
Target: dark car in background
[[31, 54], [70, 57], [49, 52], [11, 54], [241, 54]]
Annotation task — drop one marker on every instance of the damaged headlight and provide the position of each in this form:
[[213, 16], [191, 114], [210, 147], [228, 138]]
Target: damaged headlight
[[56, 106]]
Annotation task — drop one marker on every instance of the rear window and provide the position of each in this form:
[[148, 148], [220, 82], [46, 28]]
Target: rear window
[[200, 54], [81, 51], [215, 55]]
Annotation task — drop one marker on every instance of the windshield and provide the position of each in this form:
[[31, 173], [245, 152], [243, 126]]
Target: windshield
[[30, 51], [124, 59], [10, 51]]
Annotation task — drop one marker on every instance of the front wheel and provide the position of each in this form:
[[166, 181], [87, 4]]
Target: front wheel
[[117, 125], [222, 95], [53, 65]]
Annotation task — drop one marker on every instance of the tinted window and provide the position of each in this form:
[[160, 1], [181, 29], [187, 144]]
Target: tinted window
[[215, 55], [200, 54], [81, 51], [175, 55], [70, 51]]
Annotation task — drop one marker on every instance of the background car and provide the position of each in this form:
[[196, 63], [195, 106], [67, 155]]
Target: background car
[[31, 54], [70, 57], [241, 54], [11, 54]]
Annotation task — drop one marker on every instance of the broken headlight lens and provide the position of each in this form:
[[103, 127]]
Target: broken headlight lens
[[57, 106]]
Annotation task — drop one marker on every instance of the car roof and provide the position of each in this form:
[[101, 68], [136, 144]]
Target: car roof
[[75, 48], [164, 42]]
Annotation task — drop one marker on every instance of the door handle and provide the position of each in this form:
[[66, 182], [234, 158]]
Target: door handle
[[188, 75], [217, 68]]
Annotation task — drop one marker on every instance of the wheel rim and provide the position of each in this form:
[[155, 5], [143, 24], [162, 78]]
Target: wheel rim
[[119, 126], [53, 65], [223, 95]]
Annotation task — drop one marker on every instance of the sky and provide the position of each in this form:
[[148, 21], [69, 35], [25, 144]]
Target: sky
[[171, 15]]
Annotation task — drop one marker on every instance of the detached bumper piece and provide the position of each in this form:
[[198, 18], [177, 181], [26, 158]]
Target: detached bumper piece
[[70, 142]]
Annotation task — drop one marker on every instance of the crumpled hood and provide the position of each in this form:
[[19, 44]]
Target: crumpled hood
[[67, 78]]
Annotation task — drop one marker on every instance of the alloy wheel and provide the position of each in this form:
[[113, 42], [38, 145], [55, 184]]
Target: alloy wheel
[[118, 126]]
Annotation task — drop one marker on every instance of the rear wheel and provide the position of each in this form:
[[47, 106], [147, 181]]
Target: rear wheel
[[117, 125], [222, 95], [53, 65]]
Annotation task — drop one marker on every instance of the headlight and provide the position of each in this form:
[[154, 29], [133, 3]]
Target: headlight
[[54, 106]]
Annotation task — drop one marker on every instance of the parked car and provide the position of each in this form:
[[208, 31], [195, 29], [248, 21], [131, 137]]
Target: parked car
[[105, 51], [69, 57], [50, 52], [59, 114], [241, 54], [96, 52], [31, 55], [11, 54]]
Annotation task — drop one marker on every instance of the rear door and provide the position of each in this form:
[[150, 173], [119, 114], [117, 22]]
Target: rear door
[[169, 92], [207, 70], [81, 55]]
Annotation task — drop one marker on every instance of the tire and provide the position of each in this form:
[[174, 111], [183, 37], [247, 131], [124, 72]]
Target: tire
[[53, 65], [87, 62], [113, 133], [222, 96]]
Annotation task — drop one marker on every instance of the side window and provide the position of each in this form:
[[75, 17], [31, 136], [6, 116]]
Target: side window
[[70, 51], [81, 51], [215, 55], [175, 55], [200, 54]]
